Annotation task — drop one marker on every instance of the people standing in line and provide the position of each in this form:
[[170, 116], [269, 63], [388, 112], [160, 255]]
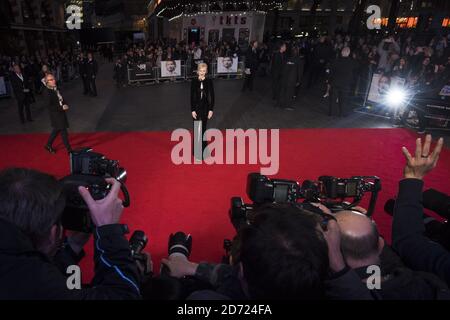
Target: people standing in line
[[57, 108], [202, 106], [22, 91], [91, 73], [278, 61], [251, 66]]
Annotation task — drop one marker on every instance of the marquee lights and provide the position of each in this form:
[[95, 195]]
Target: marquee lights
[[176, 10]]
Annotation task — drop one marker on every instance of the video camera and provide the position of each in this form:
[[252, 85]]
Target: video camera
[[327, 190], [89, 169]]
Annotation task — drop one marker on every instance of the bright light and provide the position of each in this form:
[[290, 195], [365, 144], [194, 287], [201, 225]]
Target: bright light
[[396, 97]]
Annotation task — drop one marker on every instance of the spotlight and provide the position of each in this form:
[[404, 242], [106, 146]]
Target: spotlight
[[396, 97]]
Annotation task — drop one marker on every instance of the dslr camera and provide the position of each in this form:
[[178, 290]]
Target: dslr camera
[[327, 190], [89, 169]]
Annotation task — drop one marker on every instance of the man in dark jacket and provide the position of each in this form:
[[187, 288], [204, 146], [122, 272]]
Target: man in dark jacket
[[22, 91], [291, 76], [91, 74], [342, 71], [322, 54], [278, 61], [416, 250], [82, 70], [251, 66], [34, 265], [57, 108]]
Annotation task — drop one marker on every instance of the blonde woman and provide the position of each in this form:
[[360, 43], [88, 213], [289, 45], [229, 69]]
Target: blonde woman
[[202, 102]]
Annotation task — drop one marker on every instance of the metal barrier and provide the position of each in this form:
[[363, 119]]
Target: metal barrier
[[5, 88], [145, 74]]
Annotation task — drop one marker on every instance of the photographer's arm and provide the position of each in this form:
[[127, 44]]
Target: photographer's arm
[[213, 274], [414, 248], [116, 273]]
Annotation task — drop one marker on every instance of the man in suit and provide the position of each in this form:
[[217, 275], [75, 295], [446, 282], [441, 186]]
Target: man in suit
[[251, 66], [57, 108], [22, 91], [292, 73], [83, 75], [91, 74], [342, 73], [278, 61]]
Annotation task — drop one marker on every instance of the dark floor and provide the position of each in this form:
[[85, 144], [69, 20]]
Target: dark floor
[[166, 106]]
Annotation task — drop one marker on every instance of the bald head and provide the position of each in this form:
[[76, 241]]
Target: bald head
[[359, 236]]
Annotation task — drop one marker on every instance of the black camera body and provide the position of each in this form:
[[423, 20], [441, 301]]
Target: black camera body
[[89, 170], [327, 190]]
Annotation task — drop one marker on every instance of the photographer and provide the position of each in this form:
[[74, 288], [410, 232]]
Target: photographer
[[417, 251], [363, 248], [281, 254], [33, 263]]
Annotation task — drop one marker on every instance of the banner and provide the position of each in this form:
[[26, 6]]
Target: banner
[[171, 68], [227, 65], [380, 86], [142, 72], [3, 91]]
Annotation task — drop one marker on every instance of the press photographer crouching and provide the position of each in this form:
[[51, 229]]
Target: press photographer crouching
[[280, 255], [34, 254], [283, 250], [366, 253]]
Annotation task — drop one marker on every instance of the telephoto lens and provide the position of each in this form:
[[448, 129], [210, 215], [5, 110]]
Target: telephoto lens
[[179, 244], [138, 241]]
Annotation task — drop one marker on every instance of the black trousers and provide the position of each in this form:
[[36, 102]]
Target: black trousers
[[248, 81], [198, 136], [85, 84], [24, 105], [64, 136], [92, 87], [315, 73], [276, 88], [343, 95]]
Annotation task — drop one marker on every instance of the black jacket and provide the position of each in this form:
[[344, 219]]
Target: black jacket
[[342, 72], [252, 60], [27, 274], [198, 105], [58, 117], [91, 68], [19, 86], [417, 251], [278, 61]]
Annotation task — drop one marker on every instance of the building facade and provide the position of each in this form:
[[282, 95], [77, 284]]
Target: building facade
[[31, 26], [209, 21]]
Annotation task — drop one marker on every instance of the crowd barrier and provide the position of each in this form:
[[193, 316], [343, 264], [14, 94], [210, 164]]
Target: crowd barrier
[[145, 73], [5, 88]]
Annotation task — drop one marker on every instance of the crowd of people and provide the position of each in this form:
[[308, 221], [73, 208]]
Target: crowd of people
[[282, 251]]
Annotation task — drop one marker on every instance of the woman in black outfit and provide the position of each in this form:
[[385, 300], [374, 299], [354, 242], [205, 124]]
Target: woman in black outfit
[[202, 105], [57, 108]]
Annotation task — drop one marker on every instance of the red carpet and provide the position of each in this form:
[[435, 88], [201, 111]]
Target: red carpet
[[195, 198]]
